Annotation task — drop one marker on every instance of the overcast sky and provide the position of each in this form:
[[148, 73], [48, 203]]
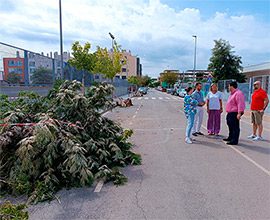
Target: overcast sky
[[158, 31]]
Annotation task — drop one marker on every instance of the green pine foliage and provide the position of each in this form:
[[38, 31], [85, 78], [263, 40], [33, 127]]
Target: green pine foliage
[[40, 160], [9, 211]]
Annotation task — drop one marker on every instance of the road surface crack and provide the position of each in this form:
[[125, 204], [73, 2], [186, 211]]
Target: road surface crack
[[136, 196]]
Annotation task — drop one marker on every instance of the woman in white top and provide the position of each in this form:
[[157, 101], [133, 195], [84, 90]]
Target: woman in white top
[[214, 110]]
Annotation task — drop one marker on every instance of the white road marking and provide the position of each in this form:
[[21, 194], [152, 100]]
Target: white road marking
[[139, 98], [134, 116], [153, 98], [146, 98], [204, 127], [250, 160], [105, 113], [246, 157], [167, 98], [160, 97], [99, 186]]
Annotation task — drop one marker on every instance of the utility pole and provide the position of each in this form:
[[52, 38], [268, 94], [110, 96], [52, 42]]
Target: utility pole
[[194, 69], [61, 41]]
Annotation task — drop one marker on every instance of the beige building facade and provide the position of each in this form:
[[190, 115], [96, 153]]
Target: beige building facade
[[260, 72], [133, 67]]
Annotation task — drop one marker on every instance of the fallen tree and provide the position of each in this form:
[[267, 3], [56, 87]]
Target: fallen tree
[[69, 143]]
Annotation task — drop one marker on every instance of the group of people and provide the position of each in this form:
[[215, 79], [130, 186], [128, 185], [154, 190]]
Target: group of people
[[235, 107]]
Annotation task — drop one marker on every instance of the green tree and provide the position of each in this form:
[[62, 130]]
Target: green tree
[[169, 77], [133, 80], [118, 60], [147, 80], [102, 61], [224, 64], [82, 58], [42, 75], [156, 84], [13, 77]]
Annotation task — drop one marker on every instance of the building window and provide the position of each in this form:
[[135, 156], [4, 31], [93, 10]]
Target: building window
[[122, 61], [58, 64], [32, 70], [10, 63], [124, 77], [19, 63], [124, 70], [32, 63], [15, 70], [117, 77], [10, 70]]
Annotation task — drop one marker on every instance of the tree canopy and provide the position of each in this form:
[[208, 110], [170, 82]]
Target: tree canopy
[[224, 64], [13, 77], [118, 61], [42, 75], [82, 58], [133, 80], [169, 77]]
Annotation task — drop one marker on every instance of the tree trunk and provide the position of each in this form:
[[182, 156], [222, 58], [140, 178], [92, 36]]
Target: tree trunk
[[83, 82], [14, 135]]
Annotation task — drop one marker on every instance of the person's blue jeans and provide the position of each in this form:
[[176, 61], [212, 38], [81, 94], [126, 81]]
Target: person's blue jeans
[[190, 123]]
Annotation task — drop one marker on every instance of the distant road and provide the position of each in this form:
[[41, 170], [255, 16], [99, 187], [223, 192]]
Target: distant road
[[13, 91]]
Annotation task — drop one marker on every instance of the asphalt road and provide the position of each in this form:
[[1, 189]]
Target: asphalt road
[[204, 180]]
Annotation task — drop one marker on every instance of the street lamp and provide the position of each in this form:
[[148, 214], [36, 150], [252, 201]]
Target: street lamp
[[61, 41], [194, 59], [112, 38]]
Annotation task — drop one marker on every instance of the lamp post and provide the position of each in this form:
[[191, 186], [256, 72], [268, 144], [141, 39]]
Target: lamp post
[[61, 41], [112, 39], [194, 68]]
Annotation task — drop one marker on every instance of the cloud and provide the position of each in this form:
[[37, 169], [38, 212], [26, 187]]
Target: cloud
[[152, 30]]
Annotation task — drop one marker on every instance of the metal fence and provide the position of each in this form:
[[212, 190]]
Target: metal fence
[[223, 86], [23, 68]]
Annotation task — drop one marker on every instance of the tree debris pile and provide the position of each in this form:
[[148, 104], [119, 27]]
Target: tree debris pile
[[124, 103], [138, 94], [40, 160]]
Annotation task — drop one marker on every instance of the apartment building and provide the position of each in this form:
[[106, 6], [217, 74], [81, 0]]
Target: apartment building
[[14, 65], [133, 67]]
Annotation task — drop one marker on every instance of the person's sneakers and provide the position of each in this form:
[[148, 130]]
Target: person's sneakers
[[193, 139], [194, 134], [200, 133], [210, 133], [251, 136], [257, 138], [226, 139], [216, 134], [188, 140]]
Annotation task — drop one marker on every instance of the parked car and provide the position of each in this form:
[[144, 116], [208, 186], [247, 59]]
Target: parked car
[[164, 90], [142, 90], [182, 93], [169, 91]]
